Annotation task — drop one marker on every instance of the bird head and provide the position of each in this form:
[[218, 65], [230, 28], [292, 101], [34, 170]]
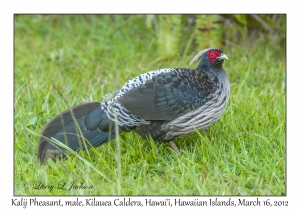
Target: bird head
[[211, 57]]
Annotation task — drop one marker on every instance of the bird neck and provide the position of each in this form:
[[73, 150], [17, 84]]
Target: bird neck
[[215, 68], [205, 64]]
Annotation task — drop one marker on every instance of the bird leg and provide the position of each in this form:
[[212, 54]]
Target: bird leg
[[174, 147]]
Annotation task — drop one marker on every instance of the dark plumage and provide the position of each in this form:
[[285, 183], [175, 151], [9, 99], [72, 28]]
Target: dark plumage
[[166, 104]]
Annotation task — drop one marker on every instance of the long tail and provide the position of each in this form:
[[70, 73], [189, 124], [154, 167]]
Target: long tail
[[91, 123]]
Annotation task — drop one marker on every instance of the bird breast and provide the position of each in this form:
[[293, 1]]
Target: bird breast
[[203, 116]]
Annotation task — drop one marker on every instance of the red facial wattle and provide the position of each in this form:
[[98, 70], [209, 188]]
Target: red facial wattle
[[213, 55]]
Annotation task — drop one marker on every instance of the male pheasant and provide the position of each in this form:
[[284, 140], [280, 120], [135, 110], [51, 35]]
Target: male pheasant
[[165, 104]]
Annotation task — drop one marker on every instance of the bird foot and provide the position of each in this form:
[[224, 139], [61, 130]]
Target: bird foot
[[174, 147]]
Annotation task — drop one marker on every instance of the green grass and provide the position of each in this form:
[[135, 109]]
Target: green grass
[[244, 153]]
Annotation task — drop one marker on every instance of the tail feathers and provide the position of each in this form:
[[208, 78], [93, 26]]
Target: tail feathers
[[65, 130], [97, 119]]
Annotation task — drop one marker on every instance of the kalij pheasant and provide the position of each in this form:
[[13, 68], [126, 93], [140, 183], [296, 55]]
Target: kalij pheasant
[[165, 104]]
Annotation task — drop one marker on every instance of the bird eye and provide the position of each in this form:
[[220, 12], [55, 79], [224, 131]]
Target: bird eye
[[212, 55]]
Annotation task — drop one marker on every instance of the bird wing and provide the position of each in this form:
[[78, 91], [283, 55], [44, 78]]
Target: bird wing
[[168, 95]]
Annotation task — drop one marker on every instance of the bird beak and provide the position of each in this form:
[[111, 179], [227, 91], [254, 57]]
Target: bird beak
[[222, 57]]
